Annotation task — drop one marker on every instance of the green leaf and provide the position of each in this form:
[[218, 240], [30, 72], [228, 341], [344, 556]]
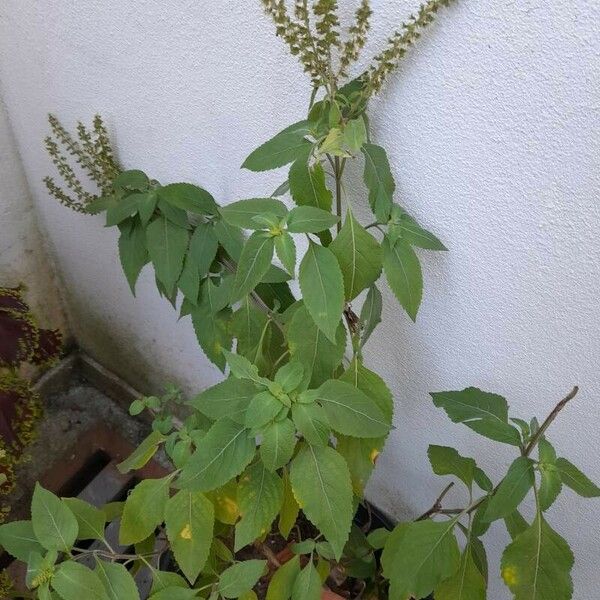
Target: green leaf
[[515, 524], [73, 581], [355, 134], [286, 252], [282, 582], [280, 150], [222, 454], [254, 263], [90, 520], [352, 412], [572, 477], [361, 454], [275, 275], [123, 209], [133, 253], [307, 585], [415, 235], [513, 488], [189, 280], [308, 219], [230, 398], [307, 185], [483, 412], [54, 525], [167, 244], [260, 495], [403, 273], [230, 237], [379, 181], [304, 547], [359, 255], [322, 288], [189, 197], [142, 454], [537, 564], [479, 524], [281, 190], [321, 483], [250, 326], [212, 331], [418, 556], [290, 376], [203, 247], [278, 443], [242, 368], [309, 346], [19, 540], [372, 385], [166, 580], [447, 461], [276, 295], [311, 421], [289, 509], [378, 537], [370, 314], [241, 213], [240, 578], [263, 408], [99, 205], [551, 482], [479, 555], [147, 206], [482, 480], [214, 298], [132, 179], [144, 510], [117, 581], [466, 584], [175, 215], [189, 517]]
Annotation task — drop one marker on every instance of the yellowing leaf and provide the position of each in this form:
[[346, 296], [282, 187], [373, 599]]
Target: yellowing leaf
[[189, 517], [537, 564], [260, 495]]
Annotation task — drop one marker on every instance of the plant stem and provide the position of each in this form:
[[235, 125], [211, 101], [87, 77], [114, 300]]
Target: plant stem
[[338, 191], [268, 554], [549, 419], [437, 505]]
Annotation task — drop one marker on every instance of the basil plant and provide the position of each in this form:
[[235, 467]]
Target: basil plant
[[282, 448]]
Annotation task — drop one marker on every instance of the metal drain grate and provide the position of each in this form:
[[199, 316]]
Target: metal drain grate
[[89, 471]]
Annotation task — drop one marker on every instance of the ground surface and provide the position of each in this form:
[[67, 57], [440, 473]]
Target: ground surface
[[67, 415]]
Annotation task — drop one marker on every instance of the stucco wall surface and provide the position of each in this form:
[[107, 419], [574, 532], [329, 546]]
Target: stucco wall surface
[[24, 259], [493, 131]]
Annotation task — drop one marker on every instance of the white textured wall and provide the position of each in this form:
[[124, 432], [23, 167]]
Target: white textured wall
[[492, 127], [23, 256]]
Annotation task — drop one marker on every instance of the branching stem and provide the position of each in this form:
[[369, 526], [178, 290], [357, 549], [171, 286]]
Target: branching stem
[[437, 508], [437, 505], [549, 419]]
